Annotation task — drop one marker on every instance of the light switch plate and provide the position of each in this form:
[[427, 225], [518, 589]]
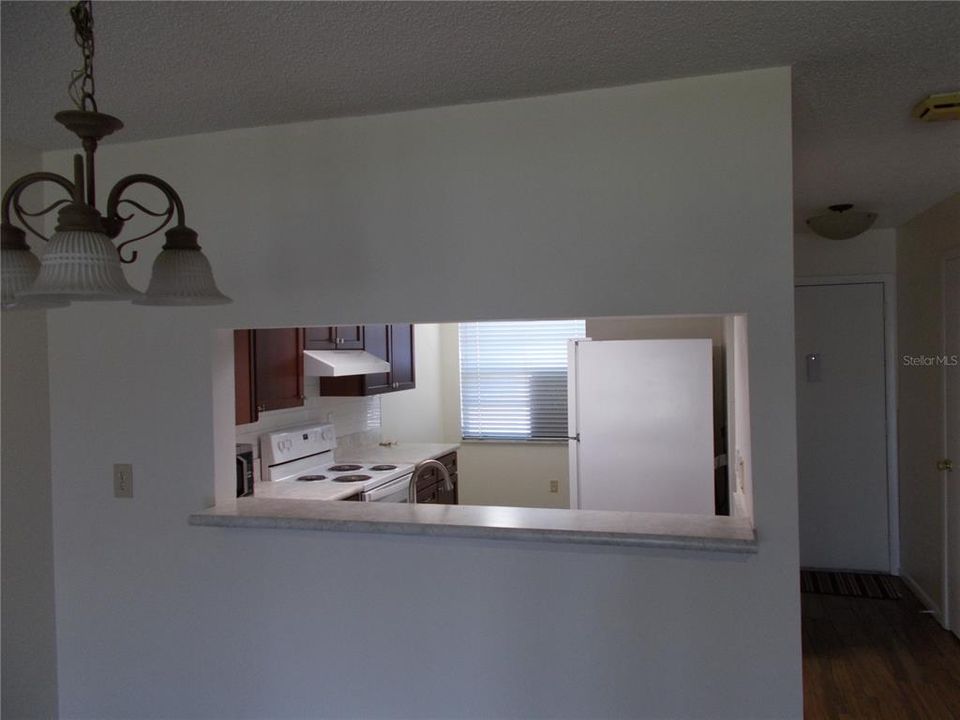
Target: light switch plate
[[123, 480]]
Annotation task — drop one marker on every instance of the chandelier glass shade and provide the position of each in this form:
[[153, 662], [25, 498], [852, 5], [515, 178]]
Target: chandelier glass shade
[[81, 261]]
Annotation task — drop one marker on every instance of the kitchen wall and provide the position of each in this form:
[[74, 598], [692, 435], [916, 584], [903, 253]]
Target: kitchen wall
[[417, 415], [562, 206], [922, 244], [357, 420], [872, 253], [28, 657]]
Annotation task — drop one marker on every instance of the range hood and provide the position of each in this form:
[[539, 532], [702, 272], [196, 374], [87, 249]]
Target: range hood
[[335, 363]]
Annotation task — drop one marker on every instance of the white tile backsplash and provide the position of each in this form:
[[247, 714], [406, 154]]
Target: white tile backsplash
[[357, 420]]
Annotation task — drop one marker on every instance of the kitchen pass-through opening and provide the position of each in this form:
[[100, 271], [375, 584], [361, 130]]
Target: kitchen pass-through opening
[[628, 414]]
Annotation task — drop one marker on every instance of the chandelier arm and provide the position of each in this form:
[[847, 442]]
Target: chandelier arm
[[114, 221], [166, 215], [11, 198]]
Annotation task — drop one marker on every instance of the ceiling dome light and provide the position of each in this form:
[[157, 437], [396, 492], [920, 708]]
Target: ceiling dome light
[[81, 262], [842, 222]]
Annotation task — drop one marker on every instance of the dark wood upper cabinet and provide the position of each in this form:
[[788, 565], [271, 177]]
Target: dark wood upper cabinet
[[376, 340], [244, 395], [401, 357], [334, 337], [393, 343], [278, 368]]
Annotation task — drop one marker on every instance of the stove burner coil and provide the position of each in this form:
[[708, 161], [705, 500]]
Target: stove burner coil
[[311, 478], [382, 468], [344, 468], [351, 478]]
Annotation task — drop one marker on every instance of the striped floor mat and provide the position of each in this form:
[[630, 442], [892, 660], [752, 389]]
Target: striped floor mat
[[868, 585]]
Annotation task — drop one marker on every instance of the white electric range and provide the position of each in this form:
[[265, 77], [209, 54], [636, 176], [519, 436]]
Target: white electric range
[[298, 463]]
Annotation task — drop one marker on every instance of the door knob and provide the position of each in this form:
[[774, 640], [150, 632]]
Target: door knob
[[945, 464]]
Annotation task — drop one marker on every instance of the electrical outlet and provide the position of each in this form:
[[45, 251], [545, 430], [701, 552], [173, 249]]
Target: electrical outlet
[[554, 486], [123, 480]]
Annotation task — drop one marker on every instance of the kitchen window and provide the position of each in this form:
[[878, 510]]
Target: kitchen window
[[513, 379]]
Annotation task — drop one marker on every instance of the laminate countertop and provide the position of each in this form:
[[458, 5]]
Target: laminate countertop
[[397, 453], [658, 530]]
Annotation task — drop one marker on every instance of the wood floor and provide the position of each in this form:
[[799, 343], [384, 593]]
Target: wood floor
[[877, 659]]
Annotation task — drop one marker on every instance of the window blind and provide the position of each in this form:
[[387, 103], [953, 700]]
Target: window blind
[[513, 379]]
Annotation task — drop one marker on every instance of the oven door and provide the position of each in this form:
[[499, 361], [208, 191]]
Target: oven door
[[393, 491]]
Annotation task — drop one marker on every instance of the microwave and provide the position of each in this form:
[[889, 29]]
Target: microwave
[[244, 470]]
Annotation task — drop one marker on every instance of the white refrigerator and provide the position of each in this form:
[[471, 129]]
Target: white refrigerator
[[641, 425]]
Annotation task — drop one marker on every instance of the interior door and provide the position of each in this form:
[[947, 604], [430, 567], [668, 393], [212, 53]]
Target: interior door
[[951, 338], [841, 427], [644, 418]]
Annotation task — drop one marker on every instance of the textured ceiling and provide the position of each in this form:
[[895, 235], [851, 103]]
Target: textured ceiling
[[187, 67]]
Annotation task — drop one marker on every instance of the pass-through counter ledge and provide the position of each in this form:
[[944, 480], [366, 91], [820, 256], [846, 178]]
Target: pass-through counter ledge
[[592, 527]]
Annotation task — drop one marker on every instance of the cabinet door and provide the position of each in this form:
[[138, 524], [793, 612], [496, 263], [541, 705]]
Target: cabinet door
[[333, 337], [350, 337], [244, 397], [447, 497], [444, 496], [402, 374], [320, 338], [376, 341], [278, 359]]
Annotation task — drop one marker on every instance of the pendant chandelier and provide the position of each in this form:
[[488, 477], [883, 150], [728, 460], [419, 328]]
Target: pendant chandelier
[[81, 261]]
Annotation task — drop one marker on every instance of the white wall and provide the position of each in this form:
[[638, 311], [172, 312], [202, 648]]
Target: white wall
[[29, 664], [357, 420], [562, 206], [741, 434], [417, 415], [872, 253], [922, 244]]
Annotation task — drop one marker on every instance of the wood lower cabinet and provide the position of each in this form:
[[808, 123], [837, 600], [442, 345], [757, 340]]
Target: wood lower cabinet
[[268, 371], [430, 488], [393, 343]]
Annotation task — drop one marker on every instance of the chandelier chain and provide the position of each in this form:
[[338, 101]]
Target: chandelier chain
[[82, 85]]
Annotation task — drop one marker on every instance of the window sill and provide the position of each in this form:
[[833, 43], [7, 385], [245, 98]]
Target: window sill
[[492, 441], [654, 530]]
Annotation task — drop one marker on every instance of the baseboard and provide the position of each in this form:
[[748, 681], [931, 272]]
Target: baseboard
[[922, 596]]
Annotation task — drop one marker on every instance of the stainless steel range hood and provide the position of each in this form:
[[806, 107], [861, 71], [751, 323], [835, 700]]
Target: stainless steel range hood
[[335, 363]]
